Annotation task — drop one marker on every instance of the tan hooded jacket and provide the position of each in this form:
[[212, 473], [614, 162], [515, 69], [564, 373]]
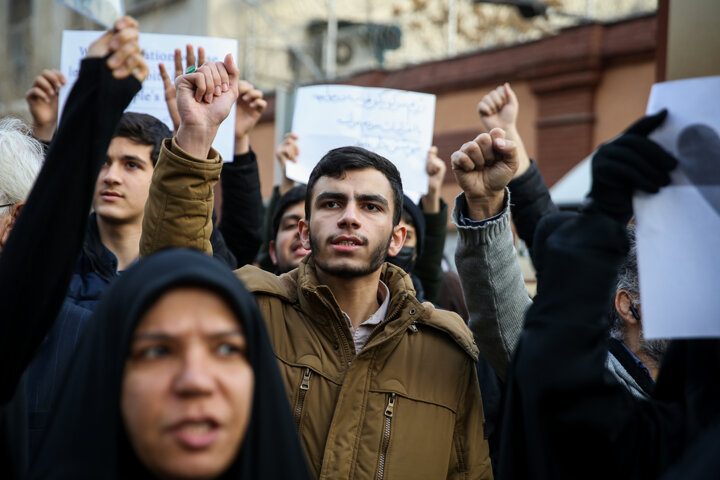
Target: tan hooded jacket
[[407, 406]]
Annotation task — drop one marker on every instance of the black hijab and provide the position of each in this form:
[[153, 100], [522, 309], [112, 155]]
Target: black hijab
[[86, 438]]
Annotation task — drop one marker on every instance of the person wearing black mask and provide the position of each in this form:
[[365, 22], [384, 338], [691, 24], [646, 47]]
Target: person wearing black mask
[[174, 377], [426, 223], [414, 222]]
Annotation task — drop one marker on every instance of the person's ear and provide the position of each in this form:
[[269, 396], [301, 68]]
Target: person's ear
[[304, 227], [7, 222], [397, 240], [624, 307], [272, 253]]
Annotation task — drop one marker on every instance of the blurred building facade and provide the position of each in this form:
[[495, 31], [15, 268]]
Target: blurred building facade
[[582, 70]]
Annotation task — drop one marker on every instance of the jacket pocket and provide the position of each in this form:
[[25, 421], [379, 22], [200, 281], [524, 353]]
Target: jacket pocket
[[386, 432], [415, 437], [300, 398]]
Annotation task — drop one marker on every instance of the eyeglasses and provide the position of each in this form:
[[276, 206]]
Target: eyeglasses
[[7, 205]]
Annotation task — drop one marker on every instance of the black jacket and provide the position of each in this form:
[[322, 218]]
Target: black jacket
[[531, 202], [97, 267], [38, 259], [241, 222], [565, 414]]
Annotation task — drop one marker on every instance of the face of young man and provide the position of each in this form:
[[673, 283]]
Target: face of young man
[[350, 229], [124, 182], [287, 251]]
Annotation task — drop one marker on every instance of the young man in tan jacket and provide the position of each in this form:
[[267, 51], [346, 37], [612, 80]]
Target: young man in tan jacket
[[381, 385]]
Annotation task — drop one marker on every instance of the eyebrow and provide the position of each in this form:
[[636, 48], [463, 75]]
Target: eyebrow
[[291, 216], [365, 197], [330, 196], [372, 198], [154, 336]]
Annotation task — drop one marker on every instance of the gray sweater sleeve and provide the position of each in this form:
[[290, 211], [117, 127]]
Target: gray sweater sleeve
[[493, 284]]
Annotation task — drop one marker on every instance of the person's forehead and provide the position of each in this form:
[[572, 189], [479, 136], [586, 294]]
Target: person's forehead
[[123, 146], [295, 209], [367, 181], [185, 310]]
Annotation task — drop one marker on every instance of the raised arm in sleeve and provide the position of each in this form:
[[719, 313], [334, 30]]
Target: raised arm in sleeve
[[178, 212], [38, 260], [242, 208], [563, 410], [531, 202], [493, 284], [429, 266]]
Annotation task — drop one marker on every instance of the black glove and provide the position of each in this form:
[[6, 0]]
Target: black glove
[[628, 163]]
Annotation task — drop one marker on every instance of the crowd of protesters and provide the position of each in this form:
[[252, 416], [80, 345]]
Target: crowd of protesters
[[320, 336]]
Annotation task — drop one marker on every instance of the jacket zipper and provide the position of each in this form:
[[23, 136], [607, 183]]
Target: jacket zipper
[[390, 316], [386, 436], [304, 387]]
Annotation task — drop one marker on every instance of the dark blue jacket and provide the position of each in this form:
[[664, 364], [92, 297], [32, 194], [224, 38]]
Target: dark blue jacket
[[95, 268]]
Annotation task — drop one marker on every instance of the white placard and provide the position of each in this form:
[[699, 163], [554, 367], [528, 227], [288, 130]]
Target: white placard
[[104, 12], [393, 123], [678, 229], [159, 48]]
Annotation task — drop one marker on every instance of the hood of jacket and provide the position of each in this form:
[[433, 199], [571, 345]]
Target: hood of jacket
[[300, 285]]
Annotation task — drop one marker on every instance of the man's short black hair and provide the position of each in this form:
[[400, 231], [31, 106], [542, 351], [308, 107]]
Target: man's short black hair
[[143, 129], [290, 198], [339, 160]]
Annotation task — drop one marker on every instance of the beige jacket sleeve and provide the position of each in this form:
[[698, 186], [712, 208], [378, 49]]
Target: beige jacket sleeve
[[178, 211]]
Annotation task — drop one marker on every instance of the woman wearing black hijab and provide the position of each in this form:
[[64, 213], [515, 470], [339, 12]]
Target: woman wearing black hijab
[[161, 385]]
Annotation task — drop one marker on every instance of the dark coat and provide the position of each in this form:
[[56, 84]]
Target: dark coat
[[38, 259], [86, 438], [531, 202], [97, 266], [241, 222], [565, 414], [95, 269]]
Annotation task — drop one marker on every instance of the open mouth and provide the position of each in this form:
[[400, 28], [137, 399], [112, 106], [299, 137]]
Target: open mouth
[[346, 243], [196, 435], [346, 240]]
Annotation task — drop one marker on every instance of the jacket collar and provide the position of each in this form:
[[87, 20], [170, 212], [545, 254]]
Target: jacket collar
[[308, 287], [102, 260], [301, 287]]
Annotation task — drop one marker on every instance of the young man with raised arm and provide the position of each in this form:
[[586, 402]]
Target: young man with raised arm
[[381, 385]]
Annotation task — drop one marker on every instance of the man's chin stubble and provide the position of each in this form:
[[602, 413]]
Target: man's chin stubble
[[377, 260]]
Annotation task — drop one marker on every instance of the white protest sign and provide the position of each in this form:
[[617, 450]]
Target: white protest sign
[[151, 99], [393, 123], [104, 12], [678, 229]]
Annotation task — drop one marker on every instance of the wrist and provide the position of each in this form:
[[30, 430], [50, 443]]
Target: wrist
[[511, 132], [43, 132], [430, 202], [242, 144], [195, 140], [487, 206], [285, 185], [522, 156]]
